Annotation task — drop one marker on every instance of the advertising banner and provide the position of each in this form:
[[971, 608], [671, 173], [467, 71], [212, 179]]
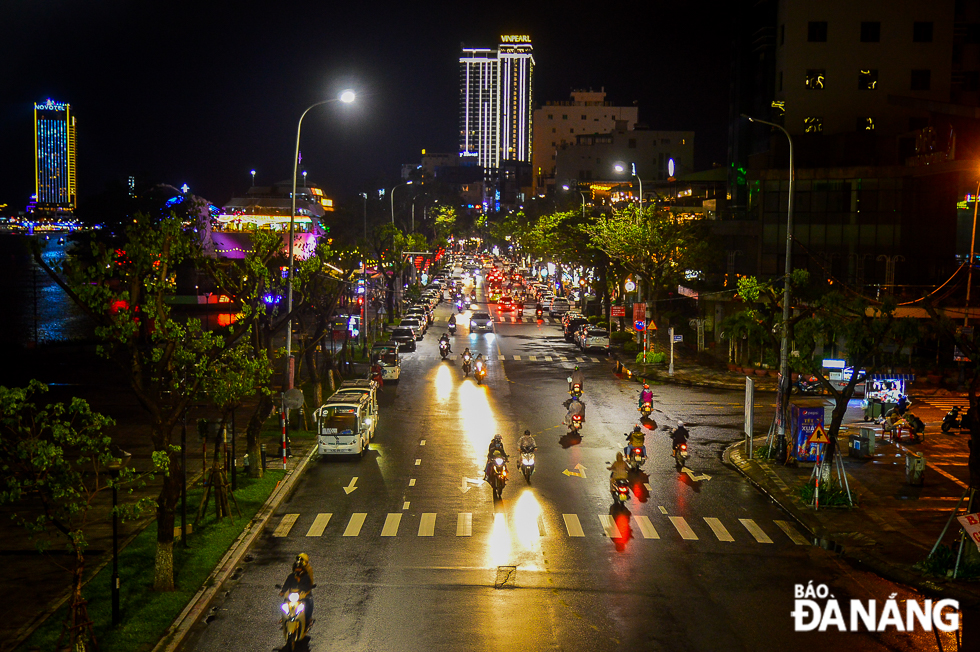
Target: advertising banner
[[804, 422]]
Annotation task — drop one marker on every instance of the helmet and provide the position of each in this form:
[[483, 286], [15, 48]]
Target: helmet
[[680, 423], [497, 438], [527, 433], [645, 386], [637, 428]]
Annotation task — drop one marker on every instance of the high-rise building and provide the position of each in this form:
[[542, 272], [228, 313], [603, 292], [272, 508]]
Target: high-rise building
[[495, 102], [54, 161]]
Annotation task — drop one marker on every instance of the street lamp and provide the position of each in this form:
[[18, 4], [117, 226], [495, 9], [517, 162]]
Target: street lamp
[[346, 97], [392, 195], [253, 178], [114, 468], [566, 187], [621, 168], [784, 346]]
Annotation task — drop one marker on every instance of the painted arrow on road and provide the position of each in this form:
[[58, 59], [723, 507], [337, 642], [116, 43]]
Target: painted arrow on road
[[349, 488], [691, 475], [464, 485], [580, 474]]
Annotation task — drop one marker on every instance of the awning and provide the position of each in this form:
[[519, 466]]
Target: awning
[[892, 377]]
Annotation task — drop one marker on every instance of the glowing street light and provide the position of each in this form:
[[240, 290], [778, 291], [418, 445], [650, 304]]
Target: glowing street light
[[253, 178], [392, 195], [567, 187], [620, 168]]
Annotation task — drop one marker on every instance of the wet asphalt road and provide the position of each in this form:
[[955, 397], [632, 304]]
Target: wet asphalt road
[[420, 557]]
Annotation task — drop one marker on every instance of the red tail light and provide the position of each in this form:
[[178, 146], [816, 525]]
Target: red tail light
[[577, 418], [683, 447], [637, 451], [622, 490]]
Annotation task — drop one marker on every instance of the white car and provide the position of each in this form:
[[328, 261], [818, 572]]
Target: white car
[[558, 306], [481, 321], [595, 339]]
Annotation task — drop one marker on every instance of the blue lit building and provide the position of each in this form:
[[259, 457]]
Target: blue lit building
[[54, 160]]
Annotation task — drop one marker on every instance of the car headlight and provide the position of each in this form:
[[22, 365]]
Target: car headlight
[[472, 323]]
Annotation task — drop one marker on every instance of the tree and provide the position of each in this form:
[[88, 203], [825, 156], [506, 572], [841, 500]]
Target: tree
[[166, 359], [55, 462], [389, 244], [652, 245]]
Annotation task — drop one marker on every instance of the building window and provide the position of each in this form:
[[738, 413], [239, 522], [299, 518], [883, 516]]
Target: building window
[[551, 116], [585, 117], [812, 125], [867, 80], [683, 141], [920, 80], [780, 80], [782, 34], [865, 124], [971, 81], [816, 31], [564, 117], [815, 79], [922, 32], [870, 31]]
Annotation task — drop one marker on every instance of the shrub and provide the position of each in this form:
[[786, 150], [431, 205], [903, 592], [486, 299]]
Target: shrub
[[621, 336], [651, 358], [601, 323], [593, 319], [631, 347], [831, 494]]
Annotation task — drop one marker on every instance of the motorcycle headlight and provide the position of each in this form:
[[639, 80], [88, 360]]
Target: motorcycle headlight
[[367, 422], [300, 607], [498, 461], [529, 462], [285, 607], [294, 597]]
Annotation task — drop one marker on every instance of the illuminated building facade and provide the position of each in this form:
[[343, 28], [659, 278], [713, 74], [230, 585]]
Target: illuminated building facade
[[54, 156], [495, 103]]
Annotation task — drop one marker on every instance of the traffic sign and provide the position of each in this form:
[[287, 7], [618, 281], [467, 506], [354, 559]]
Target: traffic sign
[[639, 311], [678, 338], [639, 325], [819, 436], [618, 311]]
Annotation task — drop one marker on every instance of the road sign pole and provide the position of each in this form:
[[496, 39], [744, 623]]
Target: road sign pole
[[749, 416], [670, 371], [283, 412]]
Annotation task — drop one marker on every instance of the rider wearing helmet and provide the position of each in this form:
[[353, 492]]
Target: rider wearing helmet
[[618, 471], [646, 396], [300, 580], [445, 338], [637, 439], [496, 449], [679, 434], [578, 378], [526, 443]]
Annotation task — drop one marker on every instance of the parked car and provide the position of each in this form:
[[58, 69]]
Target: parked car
[[559, 306], [594, 339], [572, 327], [405, 337], [415, 325], [417, 312], [481, 321]]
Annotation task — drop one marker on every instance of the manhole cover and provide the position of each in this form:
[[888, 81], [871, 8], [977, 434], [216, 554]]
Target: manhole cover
[[506, 577]]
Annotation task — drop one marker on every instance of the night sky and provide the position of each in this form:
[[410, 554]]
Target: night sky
[[202, 92]]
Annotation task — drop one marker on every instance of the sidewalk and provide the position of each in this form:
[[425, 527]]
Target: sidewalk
[[894, 525]]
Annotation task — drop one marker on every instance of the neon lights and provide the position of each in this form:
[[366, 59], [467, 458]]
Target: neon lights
[[522, 38]]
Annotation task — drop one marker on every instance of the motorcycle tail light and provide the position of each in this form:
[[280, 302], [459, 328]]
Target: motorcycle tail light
[[636, 451], [683, 447], [577, 417], [621, 490]]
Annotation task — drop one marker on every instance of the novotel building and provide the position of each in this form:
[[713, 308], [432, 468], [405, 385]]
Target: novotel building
[[54, 156], [495, 102]]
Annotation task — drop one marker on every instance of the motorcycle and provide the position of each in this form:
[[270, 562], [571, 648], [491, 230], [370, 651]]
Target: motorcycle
[[621, 491], [293, 620], [527, 464], [646, 409], [681, 455], [459, 305], [951, 420], [807, 386], [636, 458], [452, 328], [466, 365], [575, 389], [539, 313], [480, 372], [498, 476], [443, 349], [576, 424]]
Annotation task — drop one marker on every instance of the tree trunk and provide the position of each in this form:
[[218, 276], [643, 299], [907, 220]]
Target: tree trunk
[[163, 577], [263, 410]]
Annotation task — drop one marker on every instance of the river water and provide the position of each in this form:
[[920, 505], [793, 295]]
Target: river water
[[28, 291]]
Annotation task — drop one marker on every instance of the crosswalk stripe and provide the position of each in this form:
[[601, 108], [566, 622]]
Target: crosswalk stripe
[[579, 360], [427, 525], [791, 532], [517, 357], [547, 358], [532, 358], [390, 528], [354, 524], [755, 530], [501, 358], [319, 525], [683, 528], [561, 358], [464, 524], [594, 359], [610, 526], [720, 531], [646, 527], [573, 525], [285, 525], [542, 530]]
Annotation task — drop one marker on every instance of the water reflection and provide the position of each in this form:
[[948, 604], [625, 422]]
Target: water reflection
[[444, 383], [478, 422]]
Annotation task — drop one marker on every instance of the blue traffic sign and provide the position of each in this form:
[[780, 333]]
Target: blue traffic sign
[[639, 324]]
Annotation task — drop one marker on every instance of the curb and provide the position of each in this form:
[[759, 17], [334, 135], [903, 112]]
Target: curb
[[864, 559], [178, 631], [662, 377]]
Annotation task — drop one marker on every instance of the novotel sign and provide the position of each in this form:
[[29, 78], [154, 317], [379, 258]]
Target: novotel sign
[[515, 38]]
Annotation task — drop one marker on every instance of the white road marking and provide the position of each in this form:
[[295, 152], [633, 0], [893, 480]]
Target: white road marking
[[610, 526], [501, 357], [390, 528], [792, 533], [285, 525], [683, 528], [427, 526], [319, 525], [647, 485], [950, 476], [755, 530], [354, 524], [646, 527], [663, 510], [532, 358], [573, 525], [411, 483], [579, 360], [720, 531], [542, 531], [464, 524], [422, 443], [405, 505], [517, 357], [547, 358], [417, 462]]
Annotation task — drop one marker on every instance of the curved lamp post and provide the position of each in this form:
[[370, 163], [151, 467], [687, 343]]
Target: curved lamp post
[[569, 188], [784, 346], [346, 97], [621, 168], [392, 196]]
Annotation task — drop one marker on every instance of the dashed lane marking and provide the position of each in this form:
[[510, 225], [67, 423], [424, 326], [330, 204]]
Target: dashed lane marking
[[285, 525], [610, 527], [405, 505], [646, 527], [319, 525], [411, 483], [755, 530], [720, 530], [354, 524]]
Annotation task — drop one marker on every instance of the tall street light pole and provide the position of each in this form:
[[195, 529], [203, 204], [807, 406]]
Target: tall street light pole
[[583, 198], [784, 346], [392, 197], [346, 97]]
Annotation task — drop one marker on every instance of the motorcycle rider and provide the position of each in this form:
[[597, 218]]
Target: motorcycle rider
[[646, 396], [445, 338], [526, 443], [300, 580], [578, 378], [480, 360], [575, 408], [452, 322], [679, 435], [496, 449], [637, 439], [618, 471]]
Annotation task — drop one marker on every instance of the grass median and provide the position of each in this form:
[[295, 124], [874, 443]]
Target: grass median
[[146, 614]]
